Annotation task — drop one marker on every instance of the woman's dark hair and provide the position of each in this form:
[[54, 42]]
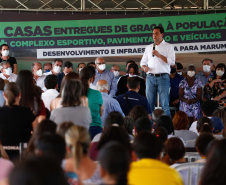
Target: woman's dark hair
[[71, 94], [135, 67], [38, 170], [202, 142], [130, 62], [114, 117], [69, 76], [115, 133], [137, 112], [85, 75], [175, 149], [220, 65], [204, 124], [214, 170], [161, 133], [166, 122], [129, 124], [11, 91], [29, 95], [115, 160], [4, 45], [45, 126]]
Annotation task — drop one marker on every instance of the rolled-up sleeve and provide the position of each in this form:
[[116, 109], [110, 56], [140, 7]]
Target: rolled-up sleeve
[[144, 60], [171, 55]]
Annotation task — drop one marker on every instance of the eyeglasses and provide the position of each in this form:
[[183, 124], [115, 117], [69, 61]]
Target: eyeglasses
[[100, 63]]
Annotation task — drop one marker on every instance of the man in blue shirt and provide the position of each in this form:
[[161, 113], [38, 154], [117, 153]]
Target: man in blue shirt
[[203, 76], [110, 104], [207, 73], [132, 98], [103, 74]]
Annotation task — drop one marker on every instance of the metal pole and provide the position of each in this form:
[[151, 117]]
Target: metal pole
[[83, 5]]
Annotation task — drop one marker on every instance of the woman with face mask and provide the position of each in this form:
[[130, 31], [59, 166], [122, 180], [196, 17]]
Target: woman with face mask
[[6, 58], [190, 94], [216, 86], [122, 82]]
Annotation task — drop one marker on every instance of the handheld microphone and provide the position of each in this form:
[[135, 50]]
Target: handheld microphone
[[153, 48]]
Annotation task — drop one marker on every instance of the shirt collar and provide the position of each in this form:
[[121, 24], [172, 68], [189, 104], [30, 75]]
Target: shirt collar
[[163, 42], [211, 74]]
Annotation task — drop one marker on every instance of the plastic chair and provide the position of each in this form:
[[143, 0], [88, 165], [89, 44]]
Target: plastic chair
[[190, 172], [192, 156]]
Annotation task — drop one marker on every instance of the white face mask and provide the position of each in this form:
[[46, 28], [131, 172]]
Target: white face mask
[[206, 68], [102, 67], [57, 69], [191, 73], [39, 72], [219, 73], [116, 73], [8, 71], [5, 53], [179, 73], [132, 75], [80, 69]]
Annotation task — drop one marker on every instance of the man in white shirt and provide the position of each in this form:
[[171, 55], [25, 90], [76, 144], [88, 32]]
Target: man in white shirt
[[38, 75], [56, 67], [7, 72], [156, 62], [51, 92]]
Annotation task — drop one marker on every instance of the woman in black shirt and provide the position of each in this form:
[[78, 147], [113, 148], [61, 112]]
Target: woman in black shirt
[[15, 121], [5, 57]]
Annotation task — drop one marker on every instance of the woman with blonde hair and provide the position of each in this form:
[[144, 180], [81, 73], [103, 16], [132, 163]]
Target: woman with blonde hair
[[77, 140]]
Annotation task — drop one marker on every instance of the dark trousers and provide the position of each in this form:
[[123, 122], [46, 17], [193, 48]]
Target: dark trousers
[[94, 130]]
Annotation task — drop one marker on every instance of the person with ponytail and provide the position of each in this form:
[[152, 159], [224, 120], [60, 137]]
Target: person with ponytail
[[204, 125], [114, 163], [87, 76], [15, 121], [78, 140]]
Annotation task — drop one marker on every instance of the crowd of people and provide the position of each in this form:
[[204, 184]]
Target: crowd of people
[[98, 126]]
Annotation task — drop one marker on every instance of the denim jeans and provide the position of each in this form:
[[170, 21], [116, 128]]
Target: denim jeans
[[160, 84]]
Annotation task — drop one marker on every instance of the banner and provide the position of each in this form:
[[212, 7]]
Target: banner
[[86, 38]]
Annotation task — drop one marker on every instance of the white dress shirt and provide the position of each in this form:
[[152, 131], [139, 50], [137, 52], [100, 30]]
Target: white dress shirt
[[12, 77], [48, 96], [40, 82], [156, 64]]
